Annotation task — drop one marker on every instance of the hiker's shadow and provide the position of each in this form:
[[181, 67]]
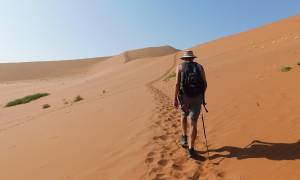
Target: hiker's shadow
[[199, 156], [260, 149]]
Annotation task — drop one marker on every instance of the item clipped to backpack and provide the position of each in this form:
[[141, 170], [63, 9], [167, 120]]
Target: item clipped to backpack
[[191, 83]]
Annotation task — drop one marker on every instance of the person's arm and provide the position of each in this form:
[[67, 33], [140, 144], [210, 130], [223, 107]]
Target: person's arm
[[177, 86], [204, 81]]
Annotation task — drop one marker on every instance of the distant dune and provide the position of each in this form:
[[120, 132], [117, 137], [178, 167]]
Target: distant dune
[[45, 69], [148, 52], [126, 127]]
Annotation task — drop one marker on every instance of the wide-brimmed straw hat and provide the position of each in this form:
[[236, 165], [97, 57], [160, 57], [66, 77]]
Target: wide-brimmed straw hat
[[188, 54]]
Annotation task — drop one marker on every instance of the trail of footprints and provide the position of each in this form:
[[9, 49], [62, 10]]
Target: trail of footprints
[[168, 160]]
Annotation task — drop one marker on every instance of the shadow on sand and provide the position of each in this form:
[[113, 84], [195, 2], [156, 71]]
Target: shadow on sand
[[260, 149], [199, 157]]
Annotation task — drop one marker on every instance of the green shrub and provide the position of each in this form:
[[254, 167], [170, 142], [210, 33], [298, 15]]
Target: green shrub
[[170, 76], [45, 106], [285, 69], [26, 99], [78, 98], [298, 63]]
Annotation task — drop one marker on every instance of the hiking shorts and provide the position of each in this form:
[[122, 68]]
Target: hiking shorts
[[191, 106]]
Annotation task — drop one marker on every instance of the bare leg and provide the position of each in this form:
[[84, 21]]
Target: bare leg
[[183, 125], [193, 134]]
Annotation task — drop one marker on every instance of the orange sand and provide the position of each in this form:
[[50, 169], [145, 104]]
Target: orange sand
[[126, 127]]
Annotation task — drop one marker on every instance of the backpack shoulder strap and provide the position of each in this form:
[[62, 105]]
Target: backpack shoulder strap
[[197, 67], [201, 70], [183, 75], [183, 65]]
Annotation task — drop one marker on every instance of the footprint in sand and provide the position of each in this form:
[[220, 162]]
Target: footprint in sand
[[168, 119], [165, 129], [158, 123], [164, 112], [149, 160], [176, 174], [176, 133], [160, 116], [162, 137], [162, 162], [153, 171], [150, 154], [176, 167], [158, 176], [174, 125]]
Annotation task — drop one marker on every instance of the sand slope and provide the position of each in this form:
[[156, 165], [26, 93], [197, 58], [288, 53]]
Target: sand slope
[[45, 69], [126, 127], [251, 100], [83, 140]]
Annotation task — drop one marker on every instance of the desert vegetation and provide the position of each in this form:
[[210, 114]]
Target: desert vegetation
[[78, 98], [285, 69], [170, 76], [45, 106], [26, 99]]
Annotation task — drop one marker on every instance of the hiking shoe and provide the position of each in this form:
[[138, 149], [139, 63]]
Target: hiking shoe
[[183, 141], [190, 152]]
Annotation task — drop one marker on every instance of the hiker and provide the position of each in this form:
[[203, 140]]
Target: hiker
[[190, 95]]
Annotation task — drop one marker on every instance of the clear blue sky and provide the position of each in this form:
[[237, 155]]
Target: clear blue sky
[[67, 29]]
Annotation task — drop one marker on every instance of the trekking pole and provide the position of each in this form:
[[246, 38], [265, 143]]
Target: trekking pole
[[204, 105], [205, 133]]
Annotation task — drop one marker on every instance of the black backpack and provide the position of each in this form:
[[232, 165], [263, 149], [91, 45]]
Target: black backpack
[[191, 83]]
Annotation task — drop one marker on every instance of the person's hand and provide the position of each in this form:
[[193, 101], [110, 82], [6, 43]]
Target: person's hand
[[204, 105], [176, 105], [204, 102]]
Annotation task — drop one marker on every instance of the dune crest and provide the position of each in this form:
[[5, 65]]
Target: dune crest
[[252, 124], [148, 53], [46, 69]]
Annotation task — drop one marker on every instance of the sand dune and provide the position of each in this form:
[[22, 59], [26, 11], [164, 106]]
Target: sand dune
[[148, 52], [45, 69], [250, 99], [126, 127]]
